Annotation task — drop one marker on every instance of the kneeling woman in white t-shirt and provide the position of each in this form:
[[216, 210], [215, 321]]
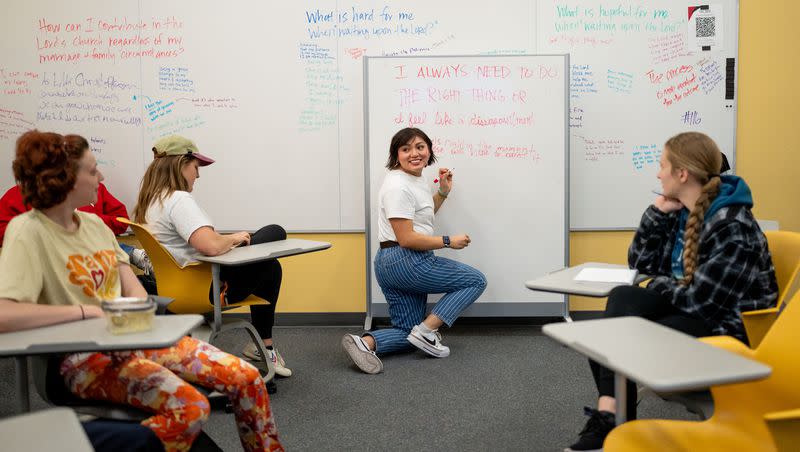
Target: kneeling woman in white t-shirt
[[175, 219], [405, 266]]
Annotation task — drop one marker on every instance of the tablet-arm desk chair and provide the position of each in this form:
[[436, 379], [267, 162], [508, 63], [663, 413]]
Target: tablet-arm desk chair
[[761, 415], [51, 388], [785, 249], [189, 287]]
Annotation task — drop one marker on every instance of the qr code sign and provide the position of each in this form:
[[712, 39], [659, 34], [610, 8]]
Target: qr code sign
[[705, 27]]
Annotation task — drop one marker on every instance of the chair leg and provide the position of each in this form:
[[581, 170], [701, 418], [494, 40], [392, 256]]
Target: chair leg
[[228, 325], [256, 338], [202, 333]]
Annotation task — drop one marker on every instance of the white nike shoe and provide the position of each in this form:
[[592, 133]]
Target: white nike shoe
[[429, 343], [362, 356], [251, 352]]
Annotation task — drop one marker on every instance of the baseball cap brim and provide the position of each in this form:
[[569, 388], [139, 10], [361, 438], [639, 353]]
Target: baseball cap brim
[[204, 161]]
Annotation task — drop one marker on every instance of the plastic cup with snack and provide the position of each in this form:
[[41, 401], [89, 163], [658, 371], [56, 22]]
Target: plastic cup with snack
[[129, 314]]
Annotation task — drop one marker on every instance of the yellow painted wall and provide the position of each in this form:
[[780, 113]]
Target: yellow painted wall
[[333, 280], [768, 152], [768, 157]]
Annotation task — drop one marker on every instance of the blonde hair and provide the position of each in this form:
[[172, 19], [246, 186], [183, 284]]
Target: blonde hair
[[699, 155], [163, 177]]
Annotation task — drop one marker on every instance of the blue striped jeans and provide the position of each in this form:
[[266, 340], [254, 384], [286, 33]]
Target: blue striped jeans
[[407, 277]]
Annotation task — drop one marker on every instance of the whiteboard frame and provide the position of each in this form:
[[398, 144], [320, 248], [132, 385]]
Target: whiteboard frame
[[485, 309]]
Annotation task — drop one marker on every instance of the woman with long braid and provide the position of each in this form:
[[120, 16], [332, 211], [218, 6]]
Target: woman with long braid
[[708, 258]]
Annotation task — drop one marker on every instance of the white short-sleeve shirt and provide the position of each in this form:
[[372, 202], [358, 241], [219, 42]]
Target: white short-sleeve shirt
[[403, 195], [173, 221]]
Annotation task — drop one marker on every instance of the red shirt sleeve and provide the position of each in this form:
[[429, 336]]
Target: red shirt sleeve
[[11, 205], [108, 208]]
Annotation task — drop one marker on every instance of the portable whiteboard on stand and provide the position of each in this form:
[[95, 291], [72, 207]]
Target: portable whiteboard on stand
[[501, 123]]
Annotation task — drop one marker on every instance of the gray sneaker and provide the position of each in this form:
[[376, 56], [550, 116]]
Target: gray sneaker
[[362, 356], [140, 259]]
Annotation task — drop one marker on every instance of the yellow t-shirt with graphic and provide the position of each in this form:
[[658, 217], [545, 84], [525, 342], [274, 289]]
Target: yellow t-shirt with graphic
[[43, 263]]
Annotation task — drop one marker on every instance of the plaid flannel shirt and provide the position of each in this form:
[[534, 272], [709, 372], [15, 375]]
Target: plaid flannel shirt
[[734, 272]]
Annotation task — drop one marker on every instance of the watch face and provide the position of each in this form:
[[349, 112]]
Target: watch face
[[446, 241]]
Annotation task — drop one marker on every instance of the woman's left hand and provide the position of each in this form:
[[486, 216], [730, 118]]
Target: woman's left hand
[[445, 180]]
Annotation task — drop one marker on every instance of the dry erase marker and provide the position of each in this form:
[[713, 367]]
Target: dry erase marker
[[450, 171]]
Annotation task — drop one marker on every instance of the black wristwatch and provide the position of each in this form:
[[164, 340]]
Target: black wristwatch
[[446, 240]]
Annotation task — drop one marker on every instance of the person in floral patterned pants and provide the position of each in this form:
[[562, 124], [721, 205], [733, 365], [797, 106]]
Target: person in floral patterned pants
[[58, 264]]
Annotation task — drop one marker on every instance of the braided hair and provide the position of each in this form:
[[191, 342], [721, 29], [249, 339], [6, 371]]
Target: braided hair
[[700, 156]]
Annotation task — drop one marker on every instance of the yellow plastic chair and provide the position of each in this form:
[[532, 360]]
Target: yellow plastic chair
[[189, 287], [785, 249], [760, 415]]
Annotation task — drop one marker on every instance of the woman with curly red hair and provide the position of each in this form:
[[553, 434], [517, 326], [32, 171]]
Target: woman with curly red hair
[[106, 206], [59, 263]]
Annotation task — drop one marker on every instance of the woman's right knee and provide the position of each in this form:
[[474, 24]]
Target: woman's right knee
[[271, 233], [619, 301], [475, 278], [249, 375], [481, 278]]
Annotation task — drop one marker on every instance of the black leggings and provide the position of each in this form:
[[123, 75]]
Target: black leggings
[[641, 302], [262, 279]]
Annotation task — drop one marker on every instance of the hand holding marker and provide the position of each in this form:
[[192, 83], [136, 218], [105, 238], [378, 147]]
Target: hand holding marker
[[449, 173]]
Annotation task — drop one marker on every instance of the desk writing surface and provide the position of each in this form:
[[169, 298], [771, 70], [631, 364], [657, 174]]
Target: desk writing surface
[[53, 429], [92, 335], [262, 251], [563, 281], [658, 357]]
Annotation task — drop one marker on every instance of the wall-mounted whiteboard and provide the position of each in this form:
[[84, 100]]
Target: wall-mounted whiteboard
[[639, 75], [500, 123], [273, 90]]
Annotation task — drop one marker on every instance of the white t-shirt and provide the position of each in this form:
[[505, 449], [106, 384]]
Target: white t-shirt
[[404, 196], [173, 221]]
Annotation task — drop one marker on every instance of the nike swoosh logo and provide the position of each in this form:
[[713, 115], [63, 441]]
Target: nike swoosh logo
[[428, 340]]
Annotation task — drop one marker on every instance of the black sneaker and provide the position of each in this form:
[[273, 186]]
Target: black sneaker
[[595, 431]]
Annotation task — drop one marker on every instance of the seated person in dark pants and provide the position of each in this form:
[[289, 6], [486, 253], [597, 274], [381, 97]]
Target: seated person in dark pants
[[166, 205], [708, 258], [115, 436]]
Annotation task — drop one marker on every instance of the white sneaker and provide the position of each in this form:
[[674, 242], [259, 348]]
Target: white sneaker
[[362, 356], [252, 352], [140, 259], [430, 343]]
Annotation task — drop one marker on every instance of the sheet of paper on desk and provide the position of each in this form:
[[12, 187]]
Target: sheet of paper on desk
[[610, 275]]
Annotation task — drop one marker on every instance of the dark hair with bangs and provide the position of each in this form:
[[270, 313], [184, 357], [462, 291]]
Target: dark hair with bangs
[[401, 139]]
